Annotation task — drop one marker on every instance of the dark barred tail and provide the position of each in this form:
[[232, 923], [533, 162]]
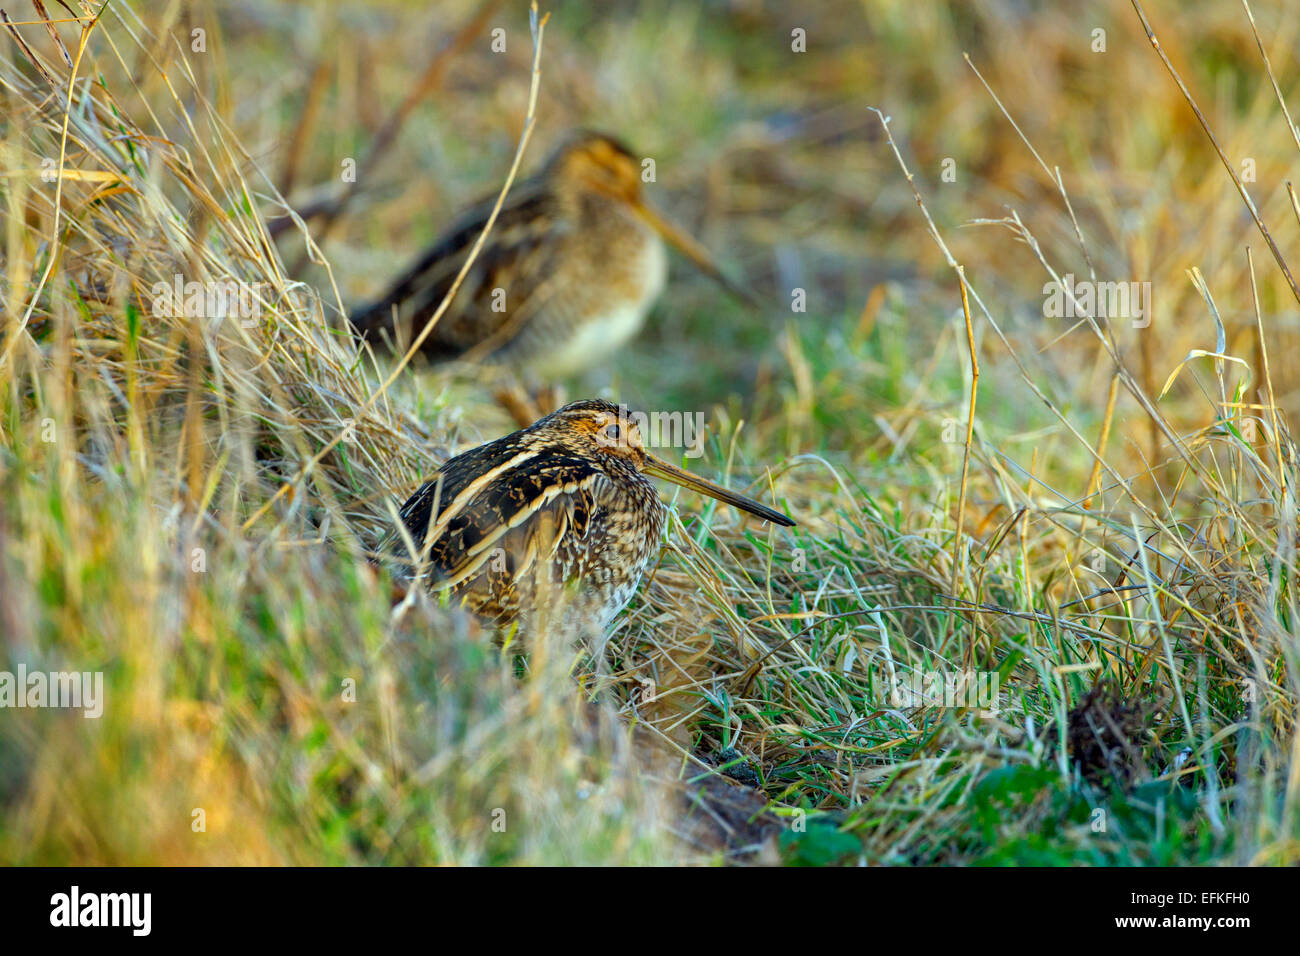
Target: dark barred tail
[[376, 325], [411, 300]]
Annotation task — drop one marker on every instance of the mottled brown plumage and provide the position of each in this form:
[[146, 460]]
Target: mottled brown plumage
[[566, 276], [559, 516]]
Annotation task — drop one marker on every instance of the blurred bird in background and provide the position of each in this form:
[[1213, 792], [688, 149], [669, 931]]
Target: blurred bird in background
[[574, 262]]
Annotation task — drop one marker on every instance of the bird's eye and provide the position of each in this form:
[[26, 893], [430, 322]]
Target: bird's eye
[[613, 432]]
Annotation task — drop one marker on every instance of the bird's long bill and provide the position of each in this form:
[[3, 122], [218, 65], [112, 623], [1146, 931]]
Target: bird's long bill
[[684, 243], [679, 476]]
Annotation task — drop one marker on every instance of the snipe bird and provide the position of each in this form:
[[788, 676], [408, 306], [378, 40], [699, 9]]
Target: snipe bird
[[566, 277], [567, 501]]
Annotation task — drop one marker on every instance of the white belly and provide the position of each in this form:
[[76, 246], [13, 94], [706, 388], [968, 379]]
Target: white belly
[[596, 339]]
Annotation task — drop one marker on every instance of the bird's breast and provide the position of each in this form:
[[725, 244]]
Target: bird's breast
[[609, 304]]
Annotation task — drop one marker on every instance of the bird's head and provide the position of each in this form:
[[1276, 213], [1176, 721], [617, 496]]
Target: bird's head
[[598, 163], [602, 430]]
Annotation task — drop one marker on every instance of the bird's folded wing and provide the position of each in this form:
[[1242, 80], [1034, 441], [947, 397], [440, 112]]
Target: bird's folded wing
[[505, 286], [507, 521]]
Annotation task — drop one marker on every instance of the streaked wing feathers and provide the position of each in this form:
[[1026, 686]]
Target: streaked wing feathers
[[501, 517], [516, 258]]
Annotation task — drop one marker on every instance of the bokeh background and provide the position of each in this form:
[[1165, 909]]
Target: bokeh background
[[774, 159]]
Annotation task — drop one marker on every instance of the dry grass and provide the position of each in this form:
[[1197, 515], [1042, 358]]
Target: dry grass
[[197, 526]]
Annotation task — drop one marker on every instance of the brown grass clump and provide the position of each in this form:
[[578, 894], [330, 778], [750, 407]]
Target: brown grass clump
[[1106, 736]]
